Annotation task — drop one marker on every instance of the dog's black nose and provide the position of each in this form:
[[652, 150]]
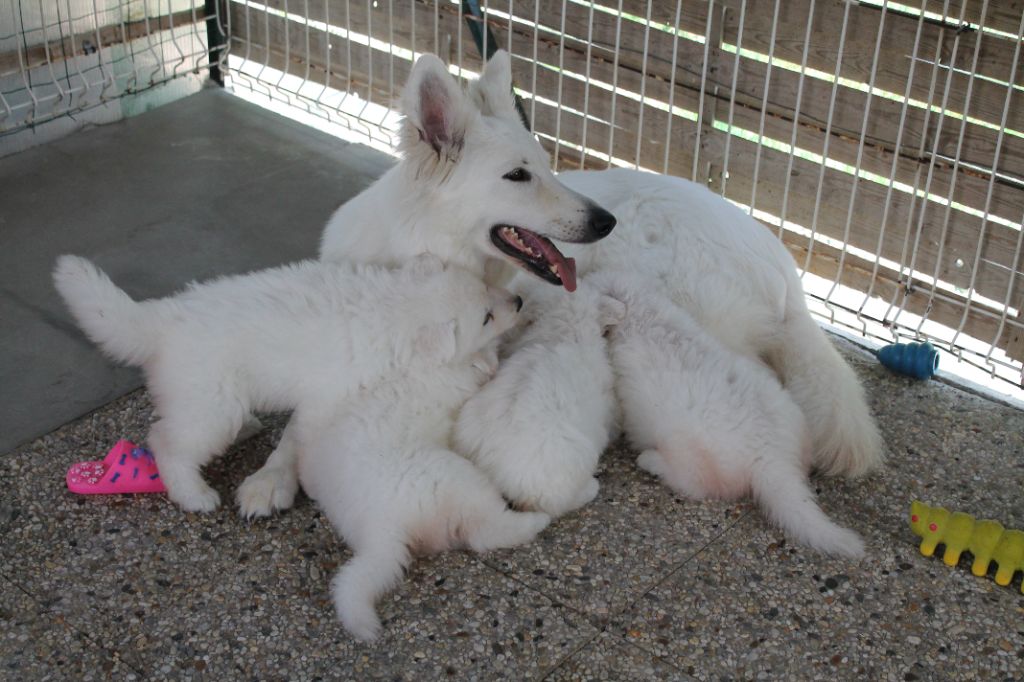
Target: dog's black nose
[[601, 222], [519, 303]]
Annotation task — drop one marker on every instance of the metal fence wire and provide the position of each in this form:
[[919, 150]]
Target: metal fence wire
[[882, 142]]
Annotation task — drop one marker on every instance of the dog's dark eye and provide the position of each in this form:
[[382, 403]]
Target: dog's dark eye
[[517, 175], [489, 317]]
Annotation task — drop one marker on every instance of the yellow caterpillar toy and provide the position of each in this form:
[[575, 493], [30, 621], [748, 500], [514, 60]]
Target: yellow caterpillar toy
[[987, 540]]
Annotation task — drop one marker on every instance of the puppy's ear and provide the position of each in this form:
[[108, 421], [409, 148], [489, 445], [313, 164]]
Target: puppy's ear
[[610, 311], [437, 112], [492, 92], [436, 342], [426, 264]]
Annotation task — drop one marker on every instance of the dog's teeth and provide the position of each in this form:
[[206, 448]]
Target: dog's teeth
[[553, 268]]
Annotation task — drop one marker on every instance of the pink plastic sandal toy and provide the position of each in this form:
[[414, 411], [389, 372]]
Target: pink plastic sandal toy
[[127, 468]]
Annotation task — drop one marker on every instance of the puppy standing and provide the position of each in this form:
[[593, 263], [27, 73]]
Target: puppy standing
[[538, 428], [381, 470], [270, 340], [710, 422]]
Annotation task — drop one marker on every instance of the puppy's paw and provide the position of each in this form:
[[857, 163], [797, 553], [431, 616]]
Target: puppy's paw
[[486, 362], [845, 543], [650, 461], [250, 428], [195, 498], [360, 620], [266, 491]]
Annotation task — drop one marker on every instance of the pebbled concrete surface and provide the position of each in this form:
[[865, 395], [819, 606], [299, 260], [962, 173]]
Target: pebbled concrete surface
[[638, 585]]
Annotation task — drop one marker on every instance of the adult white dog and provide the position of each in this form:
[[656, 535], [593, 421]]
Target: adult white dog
[[474, 188], [310, 333], [381, 470]]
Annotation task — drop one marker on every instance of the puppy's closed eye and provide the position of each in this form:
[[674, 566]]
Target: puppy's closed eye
[[488, 318]]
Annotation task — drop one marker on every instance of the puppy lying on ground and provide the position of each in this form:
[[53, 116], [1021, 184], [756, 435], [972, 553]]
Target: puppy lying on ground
[[711, 422], [381, 470], [271, 340], [539, 440]]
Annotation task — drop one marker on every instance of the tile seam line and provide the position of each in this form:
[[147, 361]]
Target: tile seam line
[[630, 605], [565, 659], [70, 625], [554, 599]]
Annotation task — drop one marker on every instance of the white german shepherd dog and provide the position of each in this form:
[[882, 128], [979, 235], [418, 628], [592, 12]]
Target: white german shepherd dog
[[475, 188]]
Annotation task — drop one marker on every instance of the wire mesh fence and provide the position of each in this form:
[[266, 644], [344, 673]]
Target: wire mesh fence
[[61, 58], [883, 142]]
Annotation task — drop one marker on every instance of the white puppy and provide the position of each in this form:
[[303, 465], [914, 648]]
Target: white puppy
[[711, 422], [538, 428], [270, 340], [382, 472]]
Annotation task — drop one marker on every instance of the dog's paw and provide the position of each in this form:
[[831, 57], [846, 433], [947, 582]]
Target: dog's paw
[[360, 620], [266, 491], [250, 428], [195, 498], [650, 461], [486, 362]]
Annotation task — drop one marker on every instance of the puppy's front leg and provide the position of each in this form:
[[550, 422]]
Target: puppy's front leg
[[273, 487]]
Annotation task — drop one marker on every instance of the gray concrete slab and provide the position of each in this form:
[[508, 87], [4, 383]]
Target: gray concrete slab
[[204, 186]]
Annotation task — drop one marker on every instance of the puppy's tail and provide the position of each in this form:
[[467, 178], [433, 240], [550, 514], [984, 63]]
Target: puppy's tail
[[846, 440], [782, 490], [122, 327], [362, 581]]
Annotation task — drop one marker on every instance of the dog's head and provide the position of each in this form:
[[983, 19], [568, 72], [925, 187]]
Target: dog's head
[[455, 315], [489, 176]]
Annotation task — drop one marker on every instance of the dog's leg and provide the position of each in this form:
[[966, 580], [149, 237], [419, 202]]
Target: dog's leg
[[250, 427], [506, 528], [783, 492], [371, 572], [181, 449], [678, 471], [273, 487]]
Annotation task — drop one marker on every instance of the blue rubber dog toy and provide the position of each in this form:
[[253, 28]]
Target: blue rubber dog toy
[[918, 360]]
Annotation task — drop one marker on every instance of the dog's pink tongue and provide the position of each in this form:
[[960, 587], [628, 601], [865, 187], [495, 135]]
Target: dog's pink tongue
[[566, 266]]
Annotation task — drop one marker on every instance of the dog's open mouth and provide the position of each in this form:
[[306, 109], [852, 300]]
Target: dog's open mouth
[[536, 253]]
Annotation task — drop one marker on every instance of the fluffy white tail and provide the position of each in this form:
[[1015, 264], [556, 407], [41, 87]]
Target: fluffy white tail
[[122, 327], [846, 440], [784, 494], [362, 581]]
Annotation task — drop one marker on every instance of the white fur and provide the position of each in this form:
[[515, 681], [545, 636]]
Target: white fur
[[718, 264], [383, 474], [443, 197], [711, 422], [539, 440], [739, 283], [448, 190], [271, 340]]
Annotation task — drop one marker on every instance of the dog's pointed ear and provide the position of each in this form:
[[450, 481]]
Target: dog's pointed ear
[[492, 92], [610, 311], [436, 110], [436, 342]]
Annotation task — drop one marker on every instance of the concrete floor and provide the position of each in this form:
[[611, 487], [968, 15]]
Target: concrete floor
[[204, 186], [637, 585]]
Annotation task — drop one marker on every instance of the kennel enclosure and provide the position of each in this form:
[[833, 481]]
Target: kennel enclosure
[[882, 142]]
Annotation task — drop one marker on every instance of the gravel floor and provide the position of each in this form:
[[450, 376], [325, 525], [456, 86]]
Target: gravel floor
[[638, 585]]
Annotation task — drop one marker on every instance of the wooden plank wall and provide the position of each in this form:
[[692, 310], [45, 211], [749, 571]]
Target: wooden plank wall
[[920, 102]]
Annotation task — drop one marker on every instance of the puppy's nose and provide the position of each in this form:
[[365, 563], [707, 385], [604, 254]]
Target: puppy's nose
[[519, 303], [601, 222]]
